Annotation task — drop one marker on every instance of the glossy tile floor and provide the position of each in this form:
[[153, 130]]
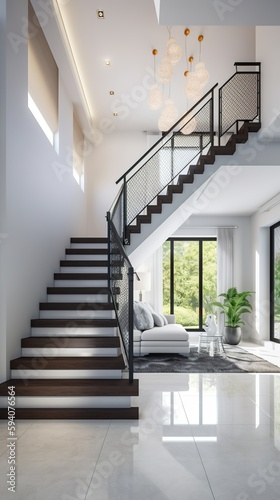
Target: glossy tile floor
[[200, 437]]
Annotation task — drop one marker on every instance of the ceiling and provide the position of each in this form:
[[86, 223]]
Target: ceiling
[[243, 193], [126, 36]]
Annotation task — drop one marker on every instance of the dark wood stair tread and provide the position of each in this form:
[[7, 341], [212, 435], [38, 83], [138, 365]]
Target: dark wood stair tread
[[69, 363], [71, 342], [185, 178], [83, 263], [83, 323], [253, 126], [71, 387], [81, 276], [73, 413], [80, 290], [209, 159], [86, 251], [89, 239]]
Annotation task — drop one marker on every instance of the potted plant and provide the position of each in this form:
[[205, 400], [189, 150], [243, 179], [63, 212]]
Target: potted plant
[[234, 305]]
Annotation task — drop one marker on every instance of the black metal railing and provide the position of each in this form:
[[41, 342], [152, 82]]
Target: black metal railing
[[240, 98], [120, 283], [170, 156]]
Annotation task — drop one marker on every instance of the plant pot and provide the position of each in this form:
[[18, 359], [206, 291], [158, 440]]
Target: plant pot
[[232, 335]]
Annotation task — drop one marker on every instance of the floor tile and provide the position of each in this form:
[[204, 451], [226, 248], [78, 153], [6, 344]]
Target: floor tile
[[55, 459], [246, 459], [148, 466]]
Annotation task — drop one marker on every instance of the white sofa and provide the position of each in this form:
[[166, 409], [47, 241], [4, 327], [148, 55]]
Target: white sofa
[[163, 335]]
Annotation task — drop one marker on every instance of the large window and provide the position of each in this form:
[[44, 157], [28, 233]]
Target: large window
[[189, 279], [275, 282], [42, 78]]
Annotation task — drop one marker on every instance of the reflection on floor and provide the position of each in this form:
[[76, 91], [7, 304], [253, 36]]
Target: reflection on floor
[[200, 437]]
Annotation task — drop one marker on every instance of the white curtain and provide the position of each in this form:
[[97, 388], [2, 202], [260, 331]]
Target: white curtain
[[224, 266]]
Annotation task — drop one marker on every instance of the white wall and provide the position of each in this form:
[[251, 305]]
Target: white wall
[[2, 190], [109, 160], [261, 223], [45, 205], [267, 43]]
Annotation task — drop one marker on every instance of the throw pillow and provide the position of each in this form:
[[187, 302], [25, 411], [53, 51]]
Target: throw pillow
[[165, 322], [159, 319], [143, 319], [148, 306]]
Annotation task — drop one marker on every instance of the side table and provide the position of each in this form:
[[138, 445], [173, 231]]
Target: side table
[[212, 343]]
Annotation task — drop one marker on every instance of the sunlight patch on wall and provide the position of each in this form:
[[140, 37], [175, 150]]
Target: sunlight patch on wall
[[40, 119]]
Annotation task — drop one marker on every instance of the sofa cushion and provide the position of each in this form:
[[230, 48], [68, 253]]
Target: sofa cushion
[[166, 332], [137, 335], [143, 319]]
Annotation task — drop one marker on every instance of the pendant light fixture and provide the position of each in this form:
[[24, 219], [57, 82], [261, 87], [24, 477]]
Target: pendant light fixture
[[155, 98], [200, 69], [173, 49], [196, 79]]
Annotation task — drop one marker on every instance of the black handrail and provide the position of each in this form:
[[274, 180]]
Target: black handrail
[[166, 133]]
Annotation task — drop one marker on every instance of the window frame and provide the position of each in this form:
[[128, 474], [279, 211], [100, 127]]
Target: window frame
[[200, 240]]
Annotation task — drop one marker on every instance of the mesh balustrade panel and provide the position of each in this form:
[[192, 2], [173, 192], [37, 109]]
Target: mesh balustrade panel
[[117, 214], [239, 100], [166, 163], [119, 269]]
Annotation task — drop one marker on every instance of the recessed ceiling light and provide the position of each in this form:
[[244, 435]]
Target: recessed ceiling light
[[112, 92], [107, 62], [115, 114], [100, 14]]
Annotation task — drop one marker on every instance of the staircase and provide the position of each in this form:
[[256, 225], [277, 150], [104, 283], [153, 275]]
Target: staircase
[[157, 192], [72, 366], [167, 198]]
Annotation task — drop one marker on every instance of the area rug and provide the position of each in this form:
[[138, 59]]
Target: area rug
[[236, 361]]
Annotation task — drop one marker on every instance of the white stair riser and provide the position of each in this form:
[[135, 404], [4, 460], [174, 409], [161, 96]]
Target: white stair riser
[[76, 314], [85, 257], [24, 373], [72, 331], [96, 297], [81, 283], [93, 246], [69, 402], [57, 352], [91, 269]]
